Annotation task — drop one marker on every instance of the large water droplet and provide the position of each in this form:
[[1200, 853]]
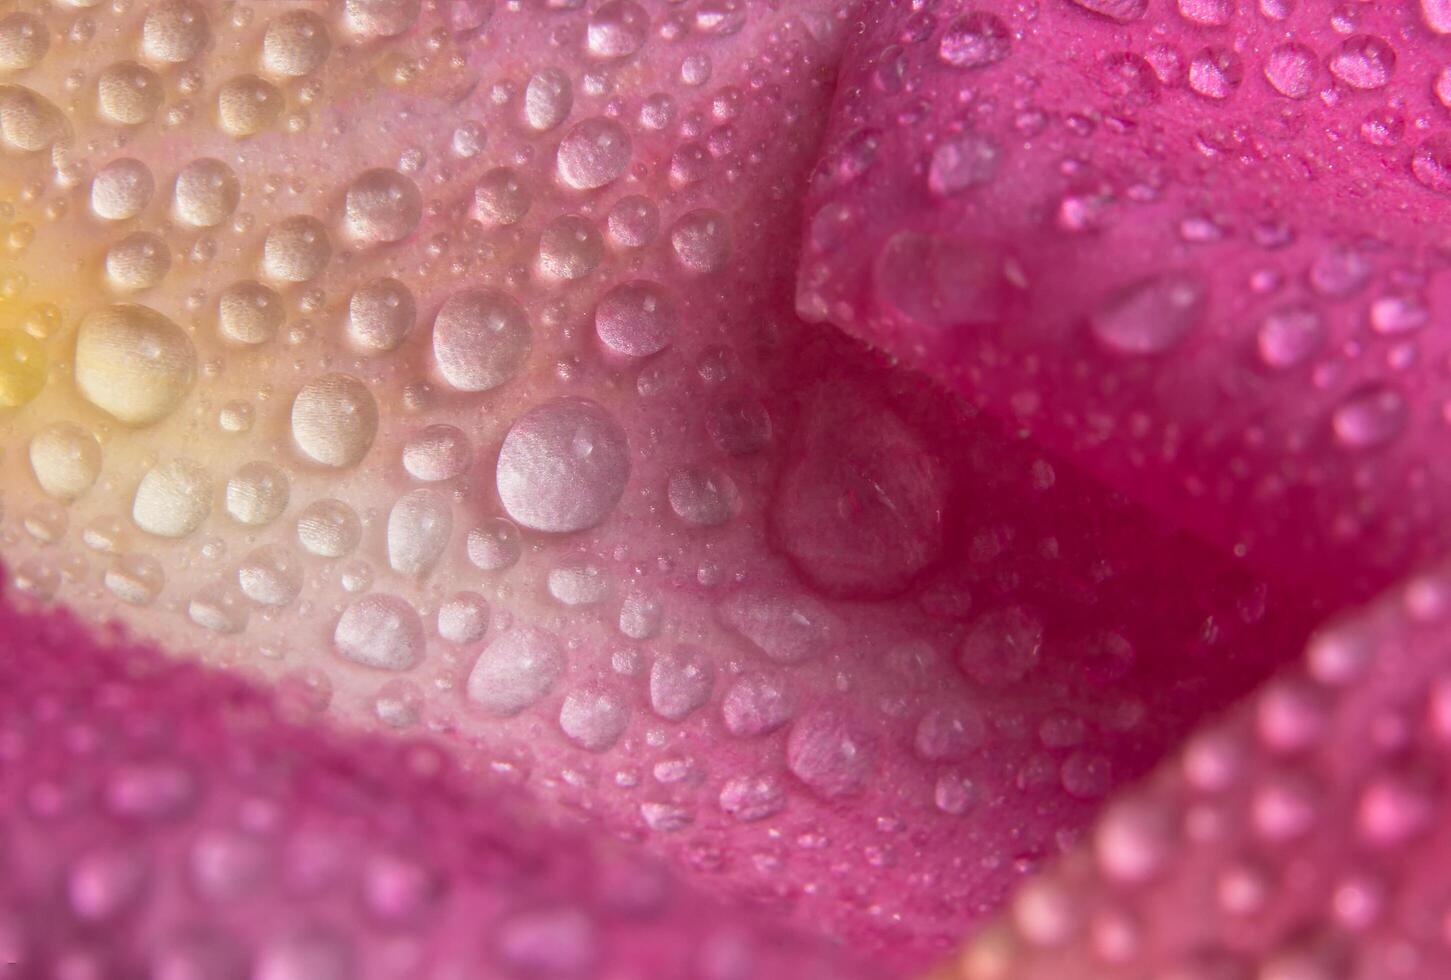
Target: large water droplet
[[296, 249], [830, 752], [975, 40], [756, 704], [593, 153], [1370, 417], [1152, 315], [516, 670], [419, 526], [1363, 62], [594, 717], [295, 44], [334, 420], [172, 499], [785, 628], [133, 363], [563, 466], [547, 99], [680, 682], [636, 318], [121, 189], [381, 206], [481, 339], [380, 315], [205, 194], [66, 459], [329, 528], [257, 493], [249, 314], [174, 31], [382, 631], [617, 29]]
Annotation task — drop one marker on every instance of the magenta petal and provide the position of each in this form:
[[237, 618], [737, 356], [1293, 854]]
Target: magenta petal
[[1197, 248], [1303, 836]]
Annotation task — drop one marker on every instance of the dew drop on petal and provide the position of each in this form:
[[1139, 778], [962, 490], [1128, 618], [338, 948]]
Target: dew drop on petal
[[481, 339], [563, 466], [1150, 316], [133, 363], [593, 153], [516, 669], [382, 631], [334, 420]]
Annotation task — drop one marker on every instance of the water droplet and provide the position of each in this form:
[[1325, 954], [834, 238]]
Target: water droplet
[[463, 618], [1289, 336], [577, 584], [680, 682], [593, 153], [380, 315], [174, 31], [23, 367], [860, 509], [138, 261], [701, 241], [751, 798], [381, 206], [516, 670], [29, 122], [296, 249], [334, 420], [570, 247], [1215, 73], [66, 459], [135, 579], [257, 493], [830, 752], [962, 162], [133, 363], [24, 40], [702, 495], [382, 631], [1134, 839], [172, 499], [419, 526], [246, 105], [295, 44], [563, 466], [329, 528], [1150, 316], [1370, 417], [634, 221], [949, 734], [494, 545], [1207, 13], [943, 282], [121, 189], [636, 318], [270, 576], [975, 40], [1290, 68], [205, 194], [500, 197], [249, 314], [1001, 647], [594, 717], [756, 704], [617, 29], [1119, 10], [128, 94], [784, 628], [379, 18], [1363, 62], [436, 453], [481, 339]]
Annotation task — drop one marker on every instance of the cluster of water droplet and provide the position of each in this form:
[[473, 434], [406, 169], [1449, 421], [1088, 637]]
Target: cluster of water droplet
[[426, 370]]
